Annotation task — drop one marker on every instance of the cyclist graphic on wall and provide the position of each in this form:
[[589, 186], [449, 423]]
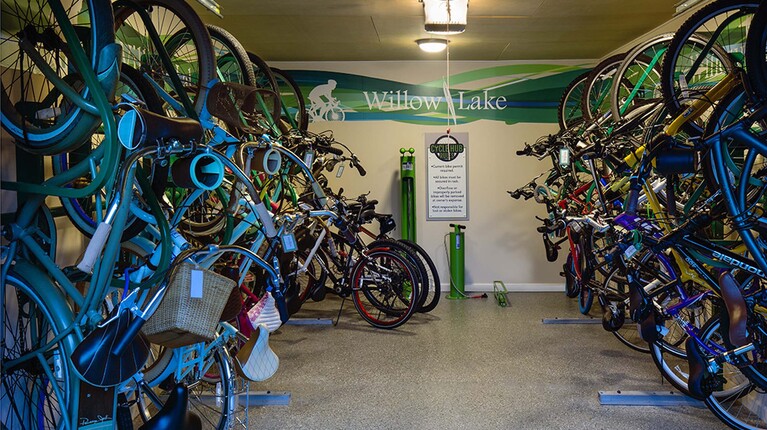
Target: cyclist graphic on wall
[[325, 107]]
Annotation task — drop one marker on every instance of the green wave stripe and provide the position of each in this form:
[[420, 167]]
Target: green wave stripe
[[519, 93]]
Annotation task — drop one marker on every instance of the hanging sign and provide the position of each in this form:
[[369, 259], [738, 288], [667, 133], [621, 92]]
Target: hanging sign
[[447, 187]]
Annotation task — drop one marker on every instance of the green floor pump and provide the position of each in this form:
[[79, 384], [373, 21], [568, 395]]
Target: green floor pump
[[457, 261], [407, 180]]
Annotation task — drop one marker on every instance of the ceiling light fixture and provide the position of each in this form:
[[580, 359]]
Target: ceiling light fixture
[[445, 16], [432, 45]]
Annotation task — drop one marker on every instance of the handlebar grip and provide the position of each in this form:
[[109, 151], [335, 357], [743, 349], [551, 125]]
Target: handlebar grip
[[330, 150], [522, 152], [360, 169]]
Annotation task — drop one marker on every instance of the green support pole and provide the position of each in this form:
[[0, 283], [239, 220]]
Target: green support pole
[[457, 261], [407, 181]]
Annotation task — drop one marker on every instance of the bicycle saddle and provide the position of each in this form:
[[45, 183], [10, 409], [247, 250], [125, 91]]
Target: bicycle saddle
[[95, 358], [138, 127], [174, 414], [255, 360]]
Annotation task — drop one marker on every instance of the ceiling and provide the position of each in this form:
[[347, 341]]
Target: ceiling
[[369, 30]]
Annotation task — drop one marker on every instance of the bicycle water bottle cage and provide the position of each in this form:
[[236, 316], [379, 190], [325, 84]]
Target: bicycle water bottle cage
[[139, 127]]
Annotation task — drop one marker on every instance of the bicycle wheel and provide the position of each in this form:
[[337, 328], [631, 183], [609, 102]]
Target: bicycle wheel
[[34, 393], [756, 55], [738, 403], [211, 397], [702, 53], [384, 288], [669, 354], [595, 102], [232, 62], [406, 251], [294, 113], [432, 290], [586, 294], [616, 293], [81, 211], [299, 285], [569, 112], [637, 79], [266, 79], [38, 116], [184, 37], [572, 286]]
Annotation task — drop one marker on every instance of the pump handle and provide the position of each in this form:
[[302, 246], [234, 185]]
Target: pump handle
[[459, 226]]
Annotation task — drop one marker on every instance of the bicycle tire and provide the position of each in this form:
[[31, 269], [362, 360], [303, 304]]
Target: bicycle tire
[[232, 62], [383, 288], [596, 90], [572, 287], [294, 110], [627, 334], [756, 55], [728, 405], [412, 257], [80, 210], [265, 78], [639, 74], [64, 126], [585, 299], [569, 111], [433, 286], [686, 48], [42, 403], [192, 43], [200, 390]]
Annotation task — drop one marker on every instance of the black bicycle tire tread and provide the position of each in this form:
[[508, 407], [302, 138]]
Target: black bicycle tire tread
[[303, 119], [410, 310], [595, 73], [428, 307], [264, 68], [236, 49], [580, 79]]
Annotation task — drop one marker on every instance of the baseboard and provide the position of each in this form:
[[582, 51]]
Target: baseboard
[[512, 288]]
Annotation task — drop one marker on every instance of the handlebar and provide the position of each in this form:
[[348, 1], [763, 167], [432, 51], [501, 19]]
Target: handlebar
[[590, 219]]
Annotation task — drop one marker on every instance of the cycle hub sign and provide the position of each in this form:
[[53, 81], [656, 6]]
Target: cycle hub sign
[[447, 184]]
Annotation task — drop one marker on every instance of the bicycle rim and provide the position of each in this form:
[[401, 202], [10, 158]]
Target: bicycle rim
[[29, 396], [384, 288], [34, 111]]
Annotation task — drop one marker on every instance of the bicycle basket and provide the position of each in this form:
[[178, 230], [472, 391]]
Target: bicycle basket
[[183, 320]]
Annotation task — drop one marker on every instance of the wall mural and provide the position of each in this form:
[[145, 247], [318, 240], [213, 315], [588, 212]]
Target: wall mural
[[508, 93]]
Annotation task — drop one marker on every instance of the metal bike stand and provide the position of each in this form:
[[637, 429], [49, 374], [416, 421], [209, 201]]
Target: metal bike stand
[[647, 398], [264, 398], [558, 320]]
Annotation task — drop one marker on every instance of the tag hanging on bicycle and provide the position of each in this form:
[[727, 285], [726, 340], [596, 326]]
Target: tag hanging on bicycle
[[564, 157], [340, 170], [289, 242]]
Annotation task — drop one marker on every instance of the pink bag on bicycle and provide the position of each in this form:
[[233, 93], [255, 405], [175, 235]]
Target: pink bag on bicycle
[[265, 312]]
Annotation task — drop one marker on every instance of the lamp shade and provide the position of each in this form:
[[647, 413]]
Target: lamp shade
[[445, 16], [432, 45]]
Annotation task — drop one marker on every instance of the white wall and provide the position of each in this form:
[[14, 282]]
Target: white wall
[[501, 241]]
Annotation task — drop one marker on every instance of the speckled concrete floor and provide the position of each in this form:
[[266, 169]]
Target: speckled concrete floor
[[468, 365]]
